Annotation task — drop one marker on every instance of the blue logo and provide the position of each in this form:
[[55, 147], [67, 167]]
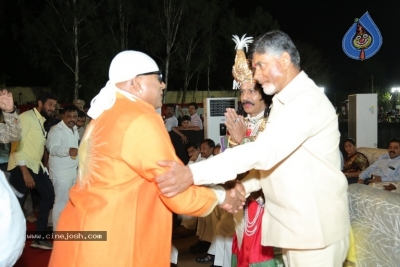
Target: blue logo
[[363, 39]]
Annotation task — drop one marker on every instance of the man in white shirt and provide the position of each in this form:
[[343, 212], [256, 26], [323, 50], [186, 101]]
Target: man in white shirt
[[386, 168], [193, 151], [62, 144], [207, 148], [306, 207], [170, 121], [205, 225]]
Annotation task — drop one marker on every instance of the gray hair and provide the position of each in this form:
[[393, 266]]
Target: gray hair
[[275, 43]]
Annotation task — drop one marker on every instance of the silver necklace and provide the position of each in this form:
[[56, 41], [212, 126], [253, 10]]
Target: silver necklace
[[251, 226]]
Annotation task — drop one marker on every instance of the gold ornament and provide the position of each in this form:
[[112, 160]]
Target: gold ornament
[[241, 71]]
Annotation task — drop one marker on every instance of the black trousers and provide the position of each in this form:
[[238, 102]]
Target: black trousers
[[43, 185]]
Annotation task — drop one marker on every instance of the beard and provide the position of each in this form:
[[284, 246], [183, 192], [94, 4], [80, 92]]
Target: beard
[[44, 113], [269, 89], [277, 75]]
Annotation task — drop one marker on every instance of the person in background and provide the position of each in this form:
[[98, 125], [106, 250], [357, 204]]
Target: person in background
[[217, 149], [386, 167], [354, 162], [195, 121], [88, 119], [170, 120], [62, 144], [79, 103], [80, 123], [185, 125], [193, 151], [4, 148], [56, 117], [25, 162], [207, 148], [189, 224], [205, 225], [13, 225], [10, 129]]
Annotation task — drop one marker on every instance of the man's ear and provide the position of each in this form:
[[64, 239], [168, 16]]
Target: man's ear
[[135, 84], [285, 60]]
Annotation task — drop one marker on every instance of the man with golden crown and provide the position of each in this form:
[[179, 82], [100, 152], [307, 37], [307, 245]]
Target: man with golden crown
[[297, 155], [247, 248]]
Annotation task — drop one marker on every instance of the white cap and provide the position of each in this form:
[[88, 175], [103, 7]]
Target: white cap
[[125, 66], [128, 64]]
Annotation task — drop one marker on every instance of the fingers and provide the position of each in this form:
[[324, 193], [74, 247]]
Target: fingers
[[234, 201], [240, 188], [30, 184], [161, 180], [166, 181], [175, 180], [170, 187], [165, 163], [167, 191], [166, 184], [230, 116]]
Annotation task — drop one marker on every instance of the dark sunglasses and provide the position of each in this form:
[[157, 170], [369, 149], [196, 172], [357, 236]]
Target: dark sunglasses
[[159, 73]]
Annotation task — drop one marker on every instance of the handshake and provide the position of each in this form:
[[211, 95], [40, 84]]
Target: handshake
[[235, 196]]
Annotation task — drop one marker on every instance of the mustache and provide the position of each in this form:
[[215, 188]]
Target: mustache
[[392, 152], [247, 102]]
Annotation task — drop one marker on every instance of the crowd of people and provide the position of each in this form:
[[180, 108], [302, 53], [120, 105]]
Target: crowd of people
[[119, 173]]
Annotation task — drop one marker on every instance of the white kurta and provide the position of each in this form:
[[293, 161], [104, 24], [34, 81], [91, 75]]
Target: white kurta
[[306, 204], [12, 225], [59, 140]]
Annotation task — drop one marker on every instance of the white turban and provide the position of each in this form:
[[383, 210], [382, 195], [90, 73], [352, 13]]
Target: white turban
[[125, 66]]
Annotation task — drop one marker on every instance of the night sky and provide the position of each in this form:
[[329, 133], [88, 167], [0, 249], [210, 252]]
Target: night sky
[[324, 24], [321, 23]]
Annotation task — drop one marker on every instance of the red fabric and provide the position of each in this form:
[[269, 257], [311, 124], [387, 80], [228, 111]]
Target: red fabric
[[251, 250], [33, 257]]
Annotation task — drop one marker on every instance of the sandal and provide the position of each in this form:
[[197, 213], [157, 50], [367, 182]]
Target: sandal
[[208, 258]]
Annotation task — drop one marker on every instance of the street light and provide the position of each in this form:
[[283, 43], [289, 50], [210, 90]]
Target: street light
[[396, 90]]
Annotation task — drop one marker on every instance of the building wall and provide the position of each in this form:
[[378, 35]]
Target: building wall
[[26, 95], [174, 97]]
